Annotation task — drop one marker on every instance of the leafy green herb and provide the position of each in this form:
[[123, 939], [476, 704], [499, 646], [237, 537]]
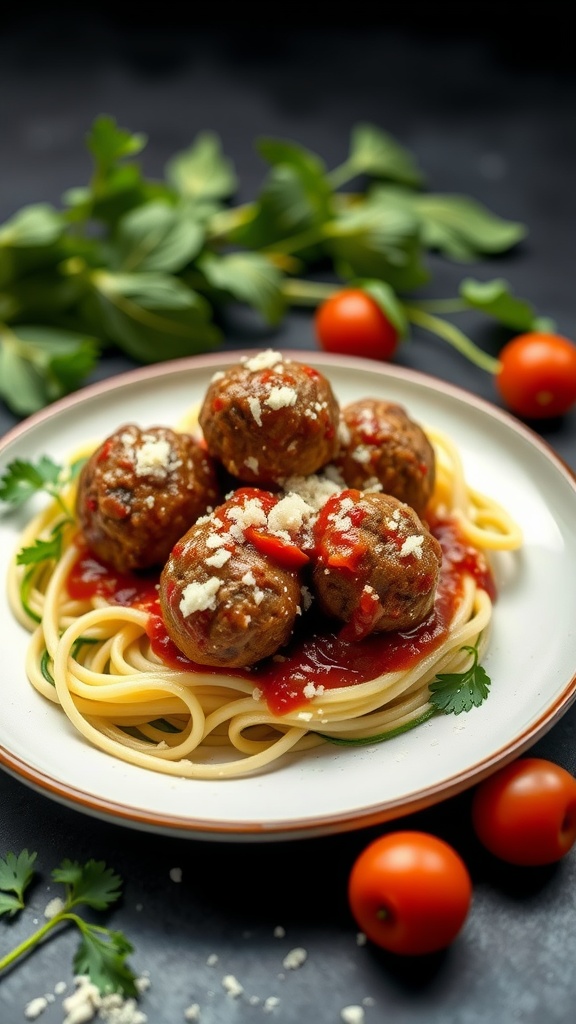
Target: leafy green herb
[[154, 267], [454, 692], [22, 479], [44, 549], [101, 953], [16, 873]]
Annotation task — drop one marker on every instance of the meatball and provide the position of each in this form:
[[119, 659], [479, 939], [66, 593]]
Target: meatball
[[140, 491], [376, 566], [381, 444], [269, 417], [223, 602]]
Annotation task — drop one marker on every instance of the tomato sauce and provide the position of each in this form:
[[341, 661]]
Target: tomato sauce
[[317, 655]]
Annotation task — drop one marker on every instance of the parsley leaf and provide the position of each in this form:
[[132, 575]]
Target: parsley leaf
[[454, 692], [22, 479], [42, 550], [101, 953], [93, 884], [15, 875]]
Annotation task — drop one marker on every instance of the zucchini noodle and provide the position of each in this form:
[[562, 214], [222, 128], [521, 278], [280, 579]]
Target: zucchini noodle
[[95, 660]]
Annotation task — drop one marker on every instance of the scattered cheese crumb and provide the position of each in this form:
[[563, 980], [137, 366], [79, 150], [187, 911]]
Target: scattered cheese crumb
[[55, 906], [232, 986], [219, 558], [313, 690], [361, 939], [199, 597], [281, 397], [153, 457], [192, 1012], [279, 932], [412, 546], [295, 958], [352, 1015], [176, 874], [263, 360], [270, 1004], [35, 1007], [256, 410], [212, 960]]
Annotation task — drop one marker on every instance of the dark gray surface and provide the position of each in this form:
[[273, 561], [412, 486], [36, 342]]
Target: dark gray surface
[[487, 116]]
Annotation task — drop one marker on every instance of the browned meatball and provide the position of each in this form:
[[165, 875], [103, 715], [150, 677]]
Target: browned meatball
[[376, 565], [382, 444], [269, 417], [223, 602], [141, 490]]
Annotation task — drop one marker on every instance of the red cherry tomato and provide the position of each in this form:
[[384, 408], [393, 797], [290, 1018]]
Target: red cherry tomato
[[410, 893], [351, 322], [526, 812], [537, 378]]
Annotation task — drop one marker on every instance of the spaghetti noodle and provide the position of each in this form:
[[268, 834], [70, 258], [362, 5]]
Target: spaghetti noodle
[[102, 656]]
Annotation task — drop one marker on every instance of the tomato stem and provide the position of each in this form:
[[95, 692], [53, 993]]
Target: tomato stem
[[454, 336]]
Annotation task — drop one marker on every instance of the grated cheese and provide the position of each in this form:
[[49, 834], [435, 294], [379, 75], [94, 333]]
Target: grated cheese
[[412, 546], [153, 457], [291, 513], [281, 397], [256, 410], [219, 558], [352, 1015], [55, 906], [232, 986], [295, 958], [265, 360], [199, 597]]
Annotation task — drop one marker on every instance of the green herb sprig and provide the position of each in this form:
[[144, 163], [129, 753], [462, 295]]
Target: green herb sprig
[[451, 693], [101, 953], [454, 692], [155, 267], [21, 480]]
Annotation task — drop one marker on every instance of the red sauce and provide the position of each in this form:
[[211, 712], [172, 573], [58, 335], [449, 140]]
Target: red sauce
[[319, 653], [89, 577]]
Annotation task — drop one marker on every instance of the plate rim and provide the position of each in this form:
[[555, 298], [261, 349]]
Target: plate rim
[[336, 822]]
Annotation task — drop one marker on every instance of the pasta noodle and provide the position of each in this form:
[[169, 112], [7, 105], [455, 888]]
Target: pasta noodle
[[94, 658]]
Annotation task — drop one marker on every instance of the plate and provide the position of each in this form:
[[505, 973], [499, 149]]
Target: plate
[[531, 658]]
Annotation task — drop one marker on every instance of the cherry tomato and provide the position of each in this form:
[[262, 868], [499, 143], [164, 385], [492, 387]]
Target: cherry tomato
[[526, 812], [351, 322], [537, 377], [410, 892]]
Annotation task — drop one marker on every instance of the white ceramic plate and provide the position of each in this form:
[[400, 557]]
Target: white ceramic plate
[[531, 659]]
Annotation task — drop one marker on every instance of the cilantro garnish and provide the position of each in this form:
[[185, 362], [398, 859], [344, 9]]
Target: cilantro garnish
[[454, 692], [22, 479], [15, 876], [101, 953], [20, 482]]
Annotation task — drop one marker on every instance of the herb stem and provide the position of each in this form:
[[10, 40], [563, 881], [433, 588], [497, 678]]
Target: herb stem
[[454, 336], [295, 243], [338, 176], [29, 944], [307, 293], [223, 222], [441, 305]]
